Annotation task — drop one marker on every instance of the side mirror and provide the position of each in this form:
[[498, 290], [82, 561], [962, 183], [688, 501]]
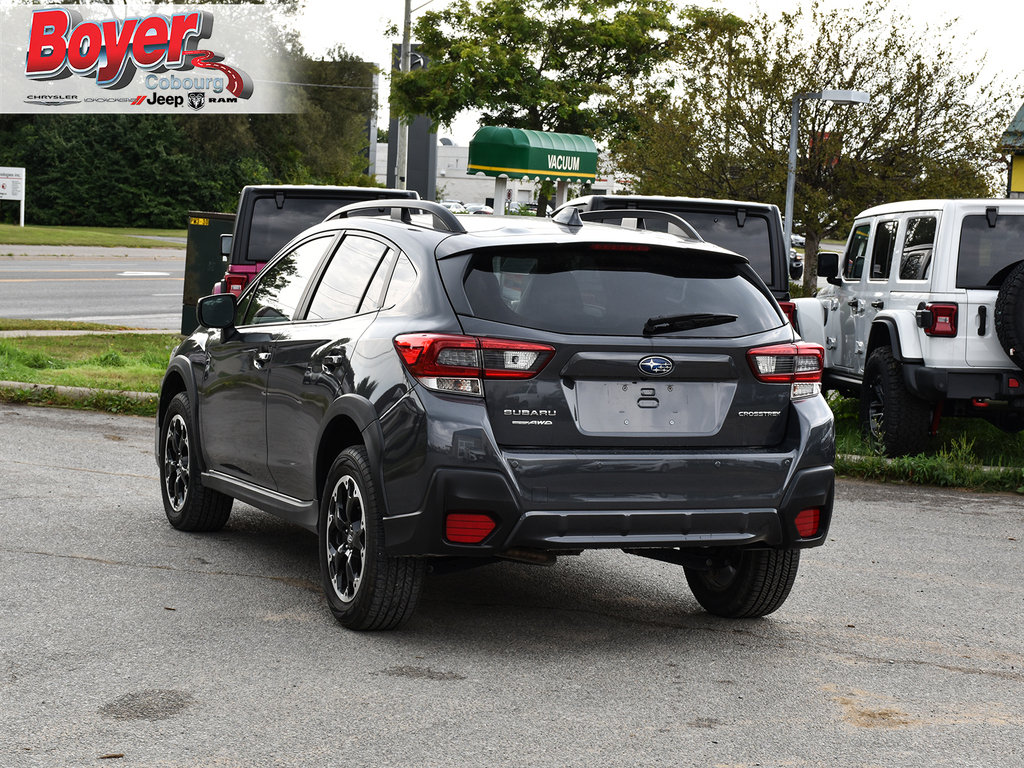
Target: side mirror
[[225, 245], [217, 311], [828, 266]]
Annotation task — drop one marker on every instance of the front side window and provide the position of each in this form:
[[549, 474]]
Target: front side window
[[917, 248], [881, 254], [856, 251], [346, 278], [278, 289]]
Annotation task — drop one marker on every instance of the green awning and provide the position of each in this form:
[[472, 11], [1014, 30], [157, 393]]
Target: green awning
[[519, 153]]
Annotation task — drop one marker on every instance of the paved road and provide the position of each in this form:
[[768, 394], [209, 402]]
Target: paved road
[[139, 287], [900, 646]]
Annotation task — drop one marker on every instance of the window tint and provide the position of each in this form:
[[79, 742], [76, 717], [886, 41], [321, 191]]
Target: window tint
[[987, 252], [614, 293], [372, 299], [401, 281], [273, 227], [853, 264], [279, 287], [917, 248], [346, 278], [881, 254], [751, 240]]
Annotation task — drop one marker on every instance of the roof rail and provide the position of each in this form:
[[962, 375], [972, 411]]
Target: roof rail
[[641, 215], [443, 219]]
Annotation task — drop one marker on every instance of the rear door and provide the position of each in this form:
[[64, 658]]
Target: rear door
[[686, 382]]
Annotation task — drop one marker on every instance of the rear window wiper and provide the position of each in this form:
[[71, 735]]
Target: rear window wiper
[[670, 323]]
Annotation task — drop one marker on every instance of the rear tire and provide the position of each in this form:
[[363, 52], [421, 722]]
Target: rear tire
[[750, 583], [188, 505], [365, 587], [894, 421]]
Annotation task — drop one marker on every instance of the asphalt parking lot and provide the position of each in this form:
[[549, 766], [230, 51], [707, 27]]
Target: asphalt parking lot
[[124, 642]]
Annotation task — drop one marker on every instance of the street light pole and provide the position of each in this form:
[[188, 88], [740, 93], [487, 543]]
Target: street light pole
[[836, 97], [402, 151]]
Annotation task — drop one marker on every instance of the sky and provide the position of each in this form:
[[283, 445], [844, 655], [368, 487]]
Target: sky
[[991, 29]]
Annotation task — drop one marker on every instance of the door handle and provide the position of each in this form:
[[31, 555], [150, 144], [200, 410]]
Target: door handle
[[261, 358], [877, 303], [853, 303]]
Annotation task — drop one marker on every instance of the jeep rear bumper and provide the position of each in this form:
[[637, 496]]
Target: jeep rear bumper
[[934, 384]]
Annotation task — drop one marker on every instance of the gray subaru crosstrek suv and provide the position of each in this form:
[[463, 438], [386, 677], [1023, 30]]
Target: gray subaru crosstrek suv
[[419, 388]]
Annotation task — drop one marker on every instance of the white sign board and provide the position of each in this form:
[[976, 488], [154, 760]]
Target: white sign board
[[12, 187], [12, 183]]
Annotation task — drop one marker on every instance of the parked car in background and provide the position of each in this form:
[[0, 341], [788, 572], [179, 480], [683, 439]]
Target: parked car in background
[[419, 387], [923, 317]]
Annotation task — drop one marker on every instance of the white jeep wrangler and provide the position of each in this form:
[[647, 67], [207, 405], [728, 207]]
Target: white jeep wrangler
[[924, 317]]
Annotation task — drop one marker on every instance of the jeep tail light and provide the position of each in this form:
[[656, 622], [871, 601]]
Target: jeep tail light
[[798, 365], [236, 283], [468, 527], [937, 319], [789, 310], [807, 523], [458, 364]]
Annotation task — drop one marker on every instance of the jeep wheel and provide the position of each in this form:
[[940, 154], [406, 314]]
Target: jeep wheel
[[365, 588], [748, 584], [188, 505], [1009, 315], [894, 421]]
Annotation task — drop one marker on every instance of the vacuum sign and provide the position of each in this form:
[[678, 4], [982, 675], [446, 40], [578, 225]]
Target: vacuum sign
[[79, 59]]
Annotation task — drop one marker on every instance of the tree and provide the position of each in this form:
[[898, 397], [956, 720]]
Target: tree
[[570, 66], [929, 131]]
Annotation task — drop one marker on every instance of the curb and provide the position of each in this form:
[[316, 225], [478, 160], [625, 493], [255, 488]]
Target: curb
[[75, 393]]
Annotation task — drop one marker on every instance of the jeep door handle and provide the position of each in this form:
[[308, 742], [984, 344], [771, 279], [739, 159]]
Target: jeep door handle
[[853, 303], [261, 358], [877, 303]]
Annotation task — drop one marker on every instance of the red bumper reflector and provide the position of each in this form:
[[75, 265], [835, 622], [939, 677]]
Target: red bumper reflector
[[468, 527], [807, 523]]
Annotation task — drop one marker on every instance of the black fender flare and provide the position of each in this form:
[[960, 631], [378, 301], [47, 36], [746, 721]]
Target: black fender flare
[[885, 333], [363, 415], [180, 367]]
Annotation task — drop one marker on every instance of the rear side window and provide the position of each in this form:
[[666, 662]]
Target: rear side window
[[987, 253], [582, 291], [917, 248]]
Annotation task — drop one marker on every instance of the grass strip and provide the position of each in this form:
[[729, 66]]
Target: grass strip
[[109, 237], [109, 402], [18, 324]]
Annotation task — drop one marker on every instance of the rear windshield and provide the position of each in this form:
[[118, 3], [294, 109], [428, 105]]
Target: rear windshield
[[583, 291], [986, 253], [750, 240], [272, 227]]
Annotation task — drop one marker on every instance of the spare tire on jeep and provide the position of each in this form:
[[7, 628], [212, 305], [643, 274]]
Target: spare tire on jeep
[[1009, 315]]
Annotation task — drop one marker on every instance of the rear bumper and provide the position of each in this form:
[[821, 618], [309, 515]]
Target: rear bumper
[[935, 384], [571, 500]]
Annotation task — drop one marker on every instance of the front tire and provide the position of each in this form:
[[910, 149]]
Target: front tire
[[188, 505], [893, 420], [748, 584], [365, 587]]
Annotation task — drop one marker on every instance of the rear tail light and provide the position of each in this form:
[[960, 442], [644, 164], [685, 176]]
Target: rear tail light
[[468, 527], [807, 523], [236, 283], [937, 319], [459, 364], [789, 310], [798, 365]]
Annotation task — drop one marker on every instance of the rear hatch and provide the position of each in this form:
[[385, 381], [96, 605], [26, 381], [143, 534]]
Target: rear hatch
[[637, 346]]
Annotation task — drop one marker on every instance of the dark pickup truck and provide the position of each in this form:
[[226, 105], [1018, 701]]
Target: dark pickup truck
[[225, 250]]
